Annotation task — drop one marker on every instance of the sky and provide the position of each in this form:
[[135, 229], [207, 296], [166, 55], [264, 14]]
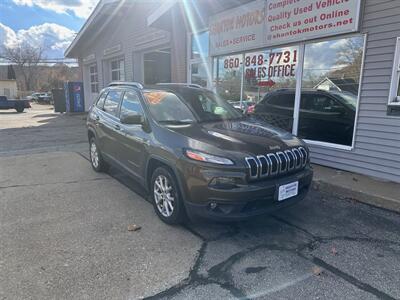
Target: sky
[[52, 23]]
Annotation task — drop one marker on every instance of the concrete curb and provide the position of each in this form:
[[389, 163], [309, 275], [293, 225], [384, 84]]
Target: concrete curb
[[368, 198]]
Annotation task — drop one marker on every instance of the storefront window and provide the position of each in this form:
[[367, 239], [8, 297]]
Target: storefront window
[[330, 89], [157, 66], [228, 76], [329, 92], [94, 78], [394, 97], [199, 63], [199, 74], [199, 45], [398, 88], [117, 70]]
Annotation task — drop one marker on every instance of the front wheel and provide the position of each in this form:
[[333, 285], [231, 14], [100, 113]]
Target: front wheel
[[97, 161], [20, 109], [167, 200]]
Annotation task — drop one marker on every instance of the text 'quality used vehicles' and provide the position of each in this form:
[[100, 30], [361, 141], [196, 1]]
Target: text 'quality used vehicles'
[[196, 153]]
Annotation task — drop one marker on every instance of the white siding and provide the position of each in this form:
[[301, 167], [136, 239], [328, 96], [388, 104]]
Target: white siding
[[126, 27], [377, 143]]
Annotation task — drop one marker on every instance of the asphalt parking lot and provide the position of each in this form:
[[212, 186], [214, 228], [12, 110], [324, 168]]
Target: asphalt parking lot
[[64, 234]]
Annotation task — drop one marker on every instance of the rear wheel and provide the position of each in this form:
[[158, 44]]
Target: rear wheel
[[167, 200], [97, 161]]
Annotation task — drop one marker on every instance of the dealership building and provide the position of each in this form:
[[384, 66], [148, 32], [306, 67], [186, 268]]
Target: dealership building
[[329, 68]]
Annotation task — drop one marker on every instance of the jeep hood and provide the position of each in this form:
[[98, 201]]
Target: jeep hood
[[247, 135]]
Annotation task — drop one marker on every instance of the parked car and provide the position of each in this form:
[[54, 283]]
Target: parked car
[[42, 98], [195, 153], [242, 107], [324, 116], [18, 105]]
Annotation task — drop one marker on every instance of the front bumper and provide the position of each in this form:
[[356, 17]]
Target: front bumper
[[252, 199]]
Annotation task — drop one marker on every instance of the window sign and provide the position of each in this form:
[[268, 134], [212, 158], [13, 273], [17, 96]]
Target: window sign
[[271, 75], [238, 28], [264, 66], [267, 70], [268, 23], [292, 21]]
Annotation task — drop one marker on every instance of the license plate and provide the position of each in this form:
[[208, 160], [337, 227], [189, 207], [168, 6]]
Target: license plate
[[288, 191]]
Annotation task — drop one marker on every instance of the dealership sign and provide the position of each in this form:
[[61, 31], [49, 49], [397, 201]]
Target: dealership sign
[[274, 22]]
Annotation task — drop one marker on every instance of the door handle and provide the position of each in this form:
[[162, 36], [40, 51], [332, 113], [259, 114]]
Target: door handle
[[117, 127]]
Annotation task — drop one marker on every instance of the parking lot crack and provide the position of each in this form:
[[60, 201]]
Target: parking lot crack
[[218, 277], [317, 240], [281, 220], [351, 279]]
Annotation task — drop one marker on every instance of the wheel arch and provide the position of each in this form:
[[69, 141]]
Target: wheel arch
[[153, 163], [91, 134]]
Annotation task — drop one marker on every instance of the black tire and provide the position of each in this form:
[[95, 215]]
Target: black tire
[[178, 214], [99, 165], [20, 109]]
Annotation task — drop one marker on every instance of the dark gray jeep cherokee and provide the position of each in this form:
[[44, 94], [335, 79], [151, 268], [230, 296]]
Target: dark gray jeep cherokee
[[195, 153]]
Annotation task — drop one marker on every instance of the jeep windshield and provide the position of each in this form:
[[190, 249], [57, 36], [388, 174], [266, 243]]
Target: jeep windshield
[[189, 106]]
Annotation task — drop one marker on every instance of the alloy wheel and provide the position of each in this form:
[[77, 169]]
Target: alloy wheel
[[163, 196], [94, 155]]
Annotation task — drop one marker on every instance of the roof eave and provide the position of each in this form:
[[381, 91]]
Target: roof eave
[[159, 12], [69, 51]]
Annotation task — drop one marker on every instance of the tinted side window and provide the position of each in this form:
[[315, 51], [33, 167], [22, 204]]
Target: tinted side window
[[131, 103], [317, 102], [284, 100], [112, 101], [100, 101]]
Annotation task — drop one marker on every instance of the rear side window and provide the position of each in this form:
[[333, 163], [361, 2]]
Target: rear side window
[[112, 102], [316, 102], [100, 101], [131, 104], [283, 100]]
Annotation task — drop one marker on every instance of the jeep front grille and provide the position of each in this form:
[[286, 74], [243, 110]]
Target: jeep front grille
[[278, 163]]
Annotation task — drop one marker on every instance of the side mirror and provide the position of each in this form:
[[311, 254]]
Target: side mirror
[[132, 119]]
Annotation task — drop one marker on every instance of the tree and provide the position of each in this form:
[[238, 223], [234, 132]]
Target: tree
[[25, 59], [349, 56]]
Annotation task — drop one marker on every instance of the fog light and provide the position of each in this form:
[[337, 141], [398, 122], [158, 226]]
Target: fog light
[[223, 183], [213, 205]]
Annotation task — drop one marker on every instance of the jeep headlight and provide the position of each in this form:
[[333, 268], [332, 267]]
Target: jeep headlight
[[209, 158]]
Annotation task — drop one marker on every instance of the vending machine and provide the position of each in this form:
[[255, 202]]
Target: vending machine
[[74, 97]]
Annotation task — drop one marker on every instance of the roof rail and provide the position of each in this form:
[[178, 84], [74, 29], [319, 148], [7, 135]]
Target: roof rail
[[193, 85], [126, 83]]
